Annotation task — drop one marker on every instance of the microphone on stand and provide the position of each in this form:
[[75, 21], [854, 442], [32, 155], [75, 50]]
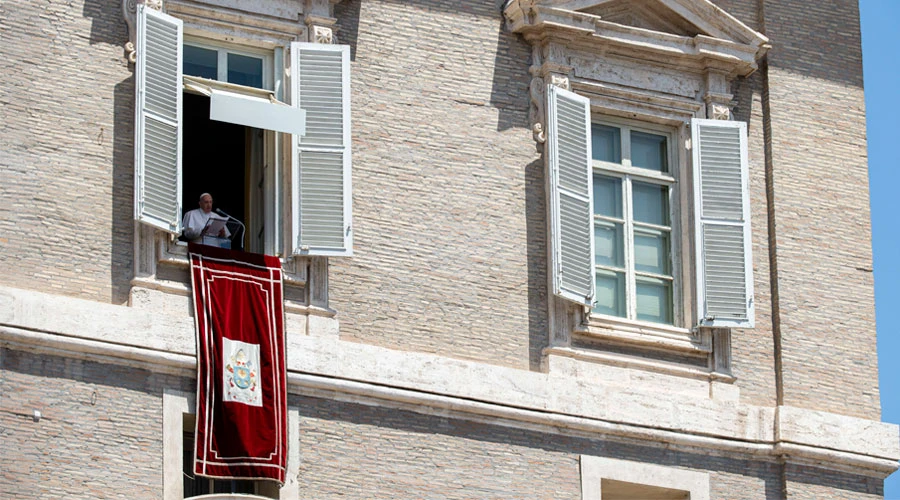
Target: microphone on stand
[[243, 228]]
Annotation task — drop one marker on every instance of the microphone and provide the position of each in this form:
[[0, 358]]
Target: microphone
[[243, 228]]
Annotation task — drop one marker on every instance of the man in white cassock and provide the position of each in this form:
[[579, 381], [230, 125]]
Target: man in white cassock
[[195, 222]]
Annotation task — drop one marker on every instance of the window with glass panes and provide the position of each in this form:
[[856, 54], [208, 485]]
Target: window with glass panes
[[633, 188], [226, 65]]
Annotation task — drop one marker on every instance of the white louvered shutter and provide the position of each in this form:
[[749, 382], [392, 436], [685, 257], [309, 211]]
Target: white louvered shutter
[[722, 212], [571, 207], [320, 82], [157, 142]]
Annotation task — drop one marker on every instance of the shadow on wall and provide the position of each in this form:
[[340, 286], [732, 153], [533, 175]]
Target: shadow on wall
[[816, 39], [108, 27], [122, 237], [107, 22], [497, 450]]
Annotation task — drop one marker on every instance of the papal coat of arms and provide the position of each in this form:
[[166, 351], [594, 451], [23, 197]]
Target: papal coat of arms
[[241, 372]]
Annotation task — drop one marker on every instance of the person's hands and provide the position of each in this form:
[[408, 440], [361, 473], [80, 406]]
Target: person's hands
[[222, 232]]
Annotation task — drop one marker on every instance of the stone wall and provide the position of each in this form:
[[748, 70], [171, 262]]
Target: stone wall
[[99, 436], [448, 205], [820, 207], [66, 156]]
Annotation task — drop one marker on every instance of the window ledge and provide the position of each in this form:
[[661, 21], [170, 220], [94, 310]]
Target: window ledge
[[626, 361], [644, 334], [174, 252], [228, 496]]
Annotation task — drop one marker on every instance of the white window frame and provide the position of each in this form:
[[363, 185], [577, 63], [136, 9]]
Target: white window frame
[[628, 173], [223, 49], [719, 274], [725, 164], [284, 240], [322, 172]]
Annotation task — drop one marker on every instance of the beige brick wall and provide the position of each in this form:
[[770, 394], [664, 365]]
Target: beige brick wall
[[449, 200], [66, 95], [806, 483], [449, 211], [100, 435], [821, 207], [450, 252], [355, 451]]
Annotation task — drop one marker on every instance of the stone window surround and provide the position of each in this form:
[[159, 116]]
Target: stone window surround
[[262, 32], [695, 485], [576, 51], [178, 407]]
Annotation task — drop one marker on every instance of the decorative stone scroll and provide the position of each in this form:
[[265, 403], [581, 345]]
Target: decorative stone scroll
[[129, 12]]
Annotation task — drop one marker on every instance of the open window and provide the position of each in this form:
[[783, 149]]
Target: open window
[[208, 120], [612, 218], [179, 480]]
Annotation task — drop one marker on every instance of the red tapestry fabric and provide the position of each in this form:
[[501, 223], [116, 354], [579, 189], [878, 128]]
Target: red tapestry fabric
[[241, 430]]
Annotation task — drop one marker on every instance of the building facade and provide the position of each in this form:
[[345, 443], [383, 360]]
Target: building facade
[[567, 249]]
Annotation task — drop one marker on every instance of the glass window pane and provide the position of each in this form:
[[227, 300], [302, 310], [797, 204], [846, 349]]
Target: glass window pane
[[201, 62], [245, 70], [651, 203], [651, 250], [606, 143], [610, 298], [609, 244], [608, 196], [654, 300], [649, 151]]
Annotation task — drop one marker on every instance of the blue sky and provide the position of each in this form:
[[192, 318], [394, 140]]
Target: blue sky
[[880, 20]]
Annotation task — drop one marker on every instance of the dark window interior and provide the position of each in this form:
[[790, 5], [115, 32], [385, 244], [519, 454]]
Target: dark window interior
[[214, 159], [197, 485]]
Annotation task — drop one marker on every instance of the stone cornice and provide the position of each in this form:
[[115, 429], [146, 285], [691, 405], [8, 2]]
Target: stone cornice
[[651, 414], [586, 32]]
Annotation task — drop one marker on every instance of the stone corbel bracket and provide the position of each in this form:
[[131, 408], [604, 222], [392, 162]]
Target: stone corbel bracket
[[321, 29], [546, 68], [129, 12], [320, 21]]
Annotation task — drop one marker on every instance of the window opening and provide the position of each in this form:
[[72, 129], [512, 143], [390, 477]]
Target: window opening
[[198, 485], [225, 160], [633, 189], [228, 158]]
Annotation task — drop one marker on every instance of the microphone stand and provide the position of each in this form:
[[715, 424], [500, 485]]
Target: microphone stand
[[243, 227]]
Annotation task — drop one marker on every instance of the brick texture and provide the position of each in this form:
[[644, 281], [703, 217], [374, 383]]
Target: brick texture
[[448, 186], [450, 251], [66, 104], [100, 435], [821, 207]]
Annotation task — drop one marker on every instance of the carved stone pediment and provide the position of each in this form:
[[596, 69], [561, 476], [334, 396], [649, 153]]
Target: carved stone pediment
[[663, 60], [646, 14], [691, 34]]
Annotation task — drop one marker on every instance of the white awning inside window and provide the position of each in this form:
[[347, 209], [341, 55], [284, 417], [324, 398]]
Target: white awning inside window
[[248, 106]]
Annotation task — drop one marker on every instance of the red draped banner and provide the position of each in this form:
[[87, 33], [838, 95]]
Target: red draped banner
[[241, 428]]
